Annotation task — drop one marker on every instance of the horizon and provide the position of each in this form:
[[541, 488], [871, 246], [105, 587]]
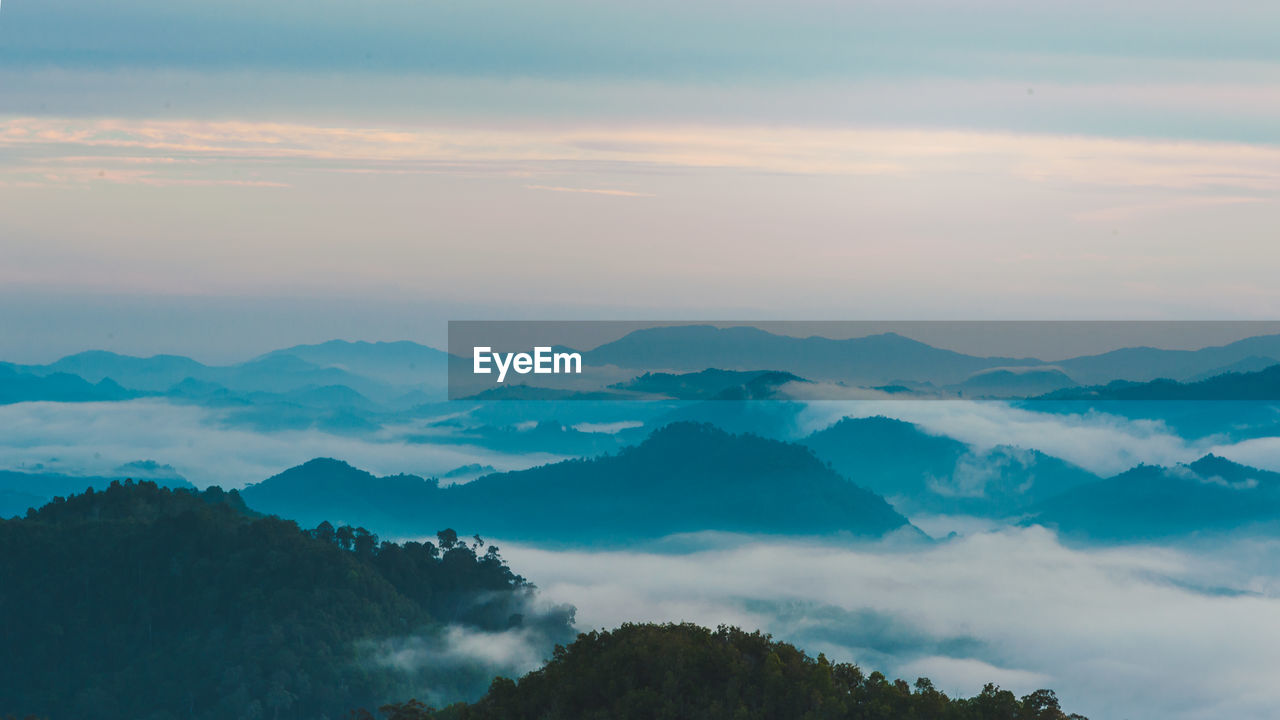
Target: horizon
[[1084, 337]]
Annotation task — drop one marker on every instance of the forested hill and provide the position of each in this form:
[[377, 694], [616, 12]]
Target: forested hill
[[686, 477], [642, 672], [144, 602]]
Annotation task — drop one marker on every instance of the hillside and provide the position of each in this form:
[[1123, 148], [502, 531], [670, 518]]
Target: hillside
[[21, 490], [1211, 495], [18, 387], [1232, 386], [930, 473], [710, 384], [266, 620], [684, 478], [870, 360], [394, 363], [639, 672], [1143, 364]]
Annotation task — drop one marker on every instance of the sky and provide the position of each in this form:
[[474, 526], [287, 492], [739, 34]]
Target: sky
[[217, 179]]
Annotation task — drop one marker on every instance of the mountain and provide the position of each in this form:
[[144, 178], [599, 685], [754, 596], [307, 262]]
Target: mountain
[[1233, 386], [393, 363], [161, 373], [1012, 382], [548, 437], [143, 602], [710, 384], [1253, 363], [20, 490], [920, 472], [154, 374], [14, 503], [324, 489], [1143, 364], [871, 360], [686, 671], [890, 358], [1209, 496], [684, 478], [18, 387]]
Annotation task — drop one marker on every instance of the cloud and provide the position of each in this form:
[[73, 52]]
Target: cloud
[[1126, 632], [453, 148], [1102, 443], [96, 438], [453, 663]]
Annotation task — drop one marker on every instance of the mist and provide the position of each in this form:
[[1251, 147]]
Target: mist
[[1143, 633]]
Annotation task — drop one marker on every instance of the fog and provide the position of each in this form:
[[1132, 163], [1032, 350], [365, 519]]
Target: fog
[[1139, 633], [1103, 443], [96, 438]]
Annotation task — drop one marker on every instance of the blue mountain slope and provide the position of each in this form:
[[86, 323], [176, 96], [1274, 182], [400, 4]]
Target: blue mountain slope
[[920, 472], [1233, 386], [1209, 496], [1144, 364], [20, 490], [18, 387], [401, 363], [684, 478], [871, 360]]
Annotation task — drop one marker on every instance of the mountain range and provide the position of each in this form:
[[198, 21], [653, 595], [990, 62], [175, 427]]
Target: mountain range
[[21, 490], [1209, 496], [397, 376], [921, 472], [1261, 384], [890, 358], [684, 478]]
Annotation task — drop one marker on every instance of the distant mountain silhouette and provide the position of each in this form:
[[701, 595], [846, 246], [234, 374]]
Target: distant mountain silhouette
[[276, 373], [920, 472], [393, 363], [1142, 364], [20, 489], [1234, 386], [871, 360], [155, 373], [15, 503], [401, 375], [1149, 502], [544, 436], [711, 384], [1019, 382], [684, 478], [18, 387], [1253, 363], [890, 358]]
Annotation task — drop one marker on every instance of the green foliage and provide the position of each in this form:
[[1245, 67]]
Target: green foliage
[[675, 672], [144, 602]]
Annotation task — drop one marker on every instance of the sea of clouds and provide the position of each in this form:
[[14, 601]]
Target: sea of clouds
[[96, 438], [1136, 632], [1143, 633]]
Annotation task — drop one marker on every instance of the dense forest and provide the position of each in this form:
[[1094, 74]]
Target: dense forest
[[675, 672], [145, 602]]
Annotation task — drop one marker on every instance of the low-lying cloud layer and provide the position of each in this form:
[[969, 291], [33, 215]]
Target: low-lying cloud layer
[[1122, 633], [1100, 442], [97, 438]]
